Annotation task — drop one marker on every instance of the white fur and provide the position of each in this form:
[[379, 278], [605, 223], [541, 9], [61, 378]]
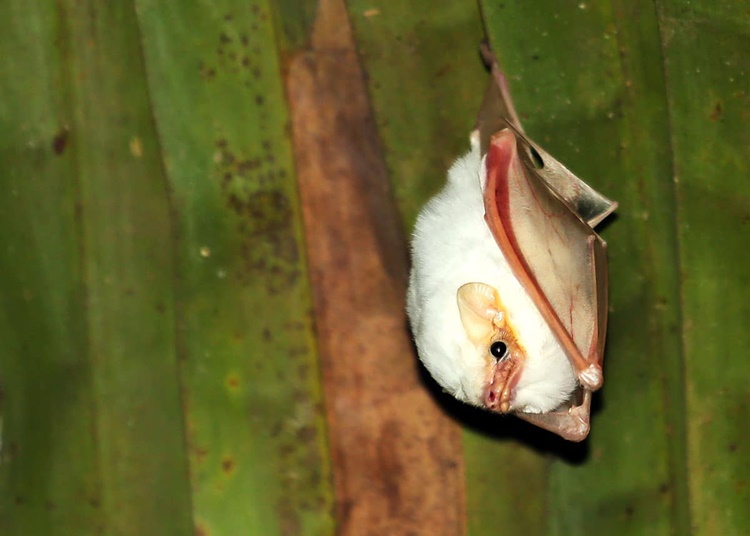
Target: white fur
[[453, 245]]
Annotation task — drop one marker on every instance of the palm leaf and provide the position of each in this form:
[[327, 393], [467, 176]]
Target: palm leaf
[[203, 266]]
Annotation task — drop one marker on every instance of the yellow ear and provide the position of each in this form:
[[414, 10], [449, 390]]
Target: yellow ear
[[478, 306]]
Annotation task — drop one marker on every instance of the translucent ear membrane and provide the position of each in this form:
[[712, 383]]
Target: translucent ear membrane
[[479, 308]]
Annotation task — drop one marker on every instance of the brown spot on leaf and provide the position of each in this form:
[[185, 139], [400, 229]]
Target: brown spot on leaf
[[445, 69], [233, 382], [248, 165], [716, 114], [60, 141], [307, 434], [265, 218], [200, 454], [228, 465], [206, 72], [9, 452]]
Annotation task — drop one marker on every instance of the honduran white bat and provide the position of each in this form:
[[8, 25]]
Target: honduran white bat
[[507, 295]]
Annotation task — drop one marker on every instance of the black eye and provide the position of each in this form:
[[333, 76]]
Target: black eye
[[498, 349]]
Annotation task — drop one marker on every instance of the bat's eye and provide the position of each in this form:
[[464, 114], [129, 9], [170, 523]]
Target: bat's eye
[[498, 349]]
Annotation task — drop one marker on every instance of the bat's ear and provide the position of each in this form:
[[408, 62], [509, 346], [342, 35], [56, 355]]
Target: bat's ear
[[478, 305]]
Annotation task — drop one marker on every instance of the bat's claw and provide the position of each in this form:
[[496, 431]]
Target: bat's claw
[[591, 378], [578, 426]]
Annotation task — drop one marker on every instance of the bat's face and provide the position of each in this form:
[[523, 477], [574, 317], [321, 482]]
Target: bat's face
[[524, 367], [492, 336]]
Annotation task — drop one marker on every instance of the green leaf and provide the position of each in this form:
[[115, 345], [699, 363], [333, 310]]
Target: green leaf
[[707, 95], [160, 372], [252, 402], [92, 413]]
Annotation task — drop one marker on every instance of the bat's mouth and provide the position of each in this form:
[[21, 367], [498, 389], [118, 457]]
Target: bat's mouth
[[500, 391]]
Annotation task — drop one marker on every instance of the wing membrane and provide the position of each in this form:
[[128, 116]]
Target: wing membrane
[[554, 253], [498, 112]]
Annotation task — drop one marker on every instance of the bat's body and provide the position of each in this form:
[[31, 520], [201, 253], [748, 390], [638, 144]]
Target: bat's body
[[452, 246], [507, 295]]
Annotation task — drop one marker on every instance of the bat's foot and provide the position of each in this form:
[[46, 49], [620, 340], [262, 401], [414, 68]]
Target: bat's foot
[[572, 425], [592, 377], [578, 425]]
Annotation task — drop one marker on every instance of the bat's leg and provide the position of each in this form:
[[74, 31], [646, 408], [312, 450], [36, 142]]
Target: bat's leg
[[572, 425]]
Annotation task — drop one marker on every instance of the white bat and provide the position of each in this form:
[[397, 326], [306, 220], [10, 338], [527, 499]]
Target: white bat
[[507, 294]]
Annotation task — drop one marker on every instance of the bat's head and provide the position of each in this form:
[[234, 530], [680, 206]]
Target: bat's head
[[523, 367]]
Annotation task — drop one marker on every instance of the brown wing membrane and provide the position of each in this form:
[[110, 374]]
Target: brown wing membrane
[[591, 206], [498, 112], [553, 252]]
